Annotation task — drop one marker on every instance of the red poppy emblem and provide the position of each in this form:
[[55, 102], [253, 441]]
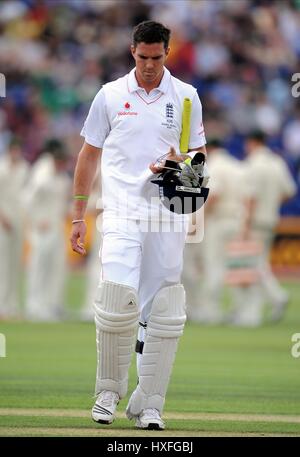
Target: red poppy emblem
[[127, 105]]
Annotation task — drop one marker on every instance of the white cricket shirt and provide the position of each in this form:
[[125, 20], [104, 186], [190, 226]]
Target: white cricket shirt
[[47, 194], [271, 181], [12, 184], [227, 182], [134, 129]]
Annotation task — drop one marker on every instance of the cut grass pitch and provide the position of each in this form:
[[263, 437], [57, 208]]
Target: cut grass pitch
[[226, 381]]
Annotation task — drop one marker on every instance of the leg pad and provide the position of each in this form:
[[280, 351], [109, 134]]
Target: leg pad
[[116, 318], [165, 326]]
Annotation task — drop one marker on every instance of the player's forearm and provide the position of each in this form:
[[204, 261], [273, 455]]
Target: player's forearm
[[83, 178], [250, 205]]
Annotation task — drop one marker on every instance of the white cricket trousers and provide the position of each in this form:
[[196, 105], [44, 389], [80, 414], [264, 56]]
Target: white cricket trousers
[[145, 258], [46, 275], [271, 287], [11, 244]]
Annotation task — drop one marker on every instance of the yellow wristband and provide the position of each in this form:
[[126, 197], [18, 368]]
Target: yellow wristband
[[81, 197]]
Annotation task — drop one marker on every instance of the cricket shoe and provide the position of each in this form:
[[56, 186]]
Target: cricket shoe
[[243, 320], [105, 407], [150, 419], [278, 310]]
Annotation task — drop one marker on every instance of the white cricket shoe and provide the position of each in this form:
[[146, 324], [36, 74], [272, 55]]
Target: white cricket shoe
[[105, 407], [150, 419], [243, 320], [278, 310], [210, 315]]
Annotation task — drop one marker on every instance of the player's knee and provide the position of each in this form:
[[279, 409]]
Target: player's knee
[[116, 308], [168, 313]]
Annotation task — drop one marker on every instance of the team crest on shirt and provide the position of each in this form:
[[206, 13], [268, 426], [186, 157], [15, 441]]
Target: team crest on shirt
[[169, 111], [169, 116]]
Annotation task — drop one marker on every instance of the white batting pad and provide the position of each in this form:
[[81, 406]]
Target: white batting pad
[[165, 326], [116, 318]]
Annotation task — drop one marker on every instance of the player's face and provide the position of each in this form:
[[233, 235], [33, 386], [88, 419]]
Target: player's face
[[249, 146], [149, 60], [15, 153]]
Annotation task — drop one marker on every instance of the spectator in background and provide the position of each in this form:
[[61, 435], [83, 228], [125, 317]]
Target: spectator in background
[[291, 136], [13, 174], [48, 197]]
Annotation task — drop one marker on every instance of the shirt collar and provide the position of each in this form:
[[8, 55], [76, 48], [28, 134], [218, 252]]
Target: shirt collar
[[163, 87]]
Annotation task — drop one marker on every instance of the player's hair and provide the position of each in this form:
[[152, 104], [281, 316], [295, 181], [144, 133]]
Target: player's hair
[[257, 135], [56, 148], [214, 142], [151, 32]]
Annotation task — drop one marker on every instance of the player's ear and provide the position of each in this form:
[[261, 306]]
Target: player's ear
[[133, 50], [167, 51]]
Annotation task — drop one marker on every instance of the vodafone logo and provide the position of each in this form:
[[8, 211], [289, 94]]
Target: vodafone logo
[[127, 106], [127, 113]]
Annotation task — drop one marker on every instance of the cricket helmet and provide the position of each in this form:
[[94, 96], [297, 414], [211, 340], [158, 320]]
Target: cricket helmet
[[182, 185]]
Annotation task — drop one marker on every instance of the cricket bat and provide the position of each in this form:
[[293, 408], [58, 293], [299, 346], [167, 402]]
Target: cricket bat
[[186, 125]]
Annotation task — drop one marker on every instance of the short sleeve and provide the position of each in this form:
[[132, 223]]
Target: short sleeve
[[96, 127], [197, 135], [216, 179], [288, 185]]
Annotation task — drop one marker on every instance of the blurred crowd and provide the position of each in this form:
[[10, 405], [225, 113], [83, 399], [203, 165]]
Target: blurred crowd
[[56, 54], [240, 55]]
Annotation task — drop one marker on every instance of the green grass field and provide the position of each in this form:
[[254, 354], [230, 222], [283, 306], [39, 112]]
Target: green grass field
[[226, 381]]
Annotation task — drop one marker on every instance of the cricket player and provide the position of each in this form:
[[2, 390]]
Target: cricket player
[[13, 176], [132, 122], [224, 221], [48, 199], [272, 185]]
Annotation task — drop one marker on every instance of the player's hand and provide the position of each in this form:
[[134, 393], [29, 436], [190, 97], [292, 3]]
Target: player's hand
[[77, 237], [155, 168]]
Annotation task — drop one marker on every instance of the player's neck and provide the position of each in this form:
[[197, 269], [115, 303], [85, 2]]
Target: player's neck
[[149, 86]]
